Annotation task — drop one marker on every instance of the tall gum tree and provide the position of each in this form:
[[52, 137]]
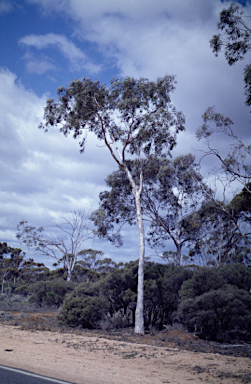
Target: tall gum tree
[[134, 118]]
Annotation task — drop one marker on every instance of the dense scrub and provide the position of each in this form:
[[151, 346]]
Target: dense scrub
[[213, 302]]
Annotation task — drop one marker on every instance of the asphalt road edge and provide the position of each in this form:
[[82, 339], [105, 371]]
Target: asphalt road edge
[[27, 373]]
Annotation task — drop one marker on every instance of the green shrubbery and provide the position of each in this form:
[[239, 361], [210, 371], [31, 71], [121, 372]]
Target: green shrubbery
[[111, 301], [216, 302], [49, 292], [161, 297], [223, 314], [213, 302]]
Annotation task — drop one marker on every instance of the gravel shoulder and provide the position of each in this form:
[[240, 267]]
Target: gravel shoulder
[[34, 343]]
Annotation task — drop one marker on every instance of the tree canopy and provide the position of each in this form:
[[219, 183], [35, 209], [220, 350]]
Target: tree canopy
[[235, 39], [171, 193]]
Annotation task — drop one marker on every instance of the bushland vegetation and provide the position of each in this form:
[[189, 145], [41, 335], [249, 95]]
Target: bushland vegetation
[[213, 302]]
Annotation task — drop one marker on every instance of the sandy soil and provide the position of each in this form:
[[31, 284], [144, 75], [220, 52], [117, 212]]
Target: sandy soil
[[93, 358]]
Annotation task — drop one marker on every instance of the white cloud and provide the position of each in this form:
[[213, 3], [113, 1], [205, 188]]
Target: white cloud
[[76, 57], [153, 38], [43, 176], [39, 65]]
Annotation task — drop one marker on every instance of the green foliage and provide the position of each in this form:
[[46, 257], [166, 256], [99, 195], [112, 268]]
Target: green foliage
[[236, 274], [222, 237], [84, 307], [135, 116], [206, 279], [221, 314], [235, 41], [85, 311], [215, 302], [114, 292], [11, 260], [202, 281], [117, 291], [31, 272], [172, 191], [142, 107], [162, 284], [49, 292], [119, 288]]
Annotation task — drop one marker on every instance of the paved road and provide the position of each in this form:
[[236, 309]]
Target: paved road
[[17, 376]]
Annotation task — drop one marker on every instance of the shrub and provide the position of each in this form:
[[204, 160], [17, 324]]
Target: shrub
[[50, 292], [236, 274], [161, 299], [221, 314], [85, 311], [203, 280], [84, 307]]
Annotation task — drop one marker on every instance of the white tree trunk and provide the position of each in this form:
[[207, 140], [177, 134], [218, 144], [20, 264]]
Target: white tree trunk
[[69, 275], [139, 315], [178, 250], [69, 267]]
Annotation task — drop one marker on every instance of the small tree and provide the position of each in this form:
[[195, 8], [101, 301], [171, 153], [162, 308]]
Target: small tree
[[133, 118], [65, 248]]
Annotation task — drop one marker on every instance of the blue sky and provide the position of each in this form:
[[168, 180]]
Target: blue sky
[[45, 44]]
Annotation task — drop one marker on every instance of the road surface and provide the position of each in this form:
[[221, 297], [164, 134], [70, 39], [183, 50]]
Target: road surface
[[18, 376]]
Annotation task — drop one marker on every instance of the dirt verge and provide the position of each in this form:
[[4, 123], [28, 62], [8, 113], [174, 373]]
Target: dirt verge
[[35, 342]]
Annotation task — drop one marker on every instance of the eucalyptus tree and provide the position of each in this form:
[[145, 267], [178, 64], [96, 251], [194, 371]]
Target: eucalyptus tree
[[133, 118], [234, 170], [11, 260], [171, 193], [235, 40], [65, 246], [236, 164], [224, 236]]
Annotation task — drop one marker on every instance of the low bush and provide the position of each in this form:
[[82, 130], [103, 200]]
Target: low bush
[[83, 307], [161, 298], [203, 280], [50, 292], [222, 315], [84, 311]]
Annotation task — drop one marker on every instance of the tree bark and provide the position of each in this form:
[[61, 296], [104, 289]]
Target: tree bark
[[139, 315], [178, 251], [69, 275]]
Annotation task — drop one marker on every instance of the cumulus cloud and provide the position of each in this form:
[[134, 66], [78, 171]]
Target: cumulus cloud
[[160, 37], [43, 176], [69, 50]]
